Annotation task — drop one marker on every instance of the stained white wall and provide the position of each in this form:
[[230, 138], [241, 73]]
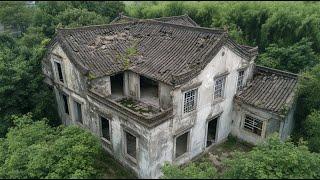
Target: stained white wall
[[74, 86], [118, 124], [162, 138], [288, 124]]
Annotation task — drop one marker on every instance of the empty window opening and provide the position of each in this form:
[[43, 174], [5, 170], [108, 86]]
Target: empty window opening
[[240, 80], [219, 87], [211, 131], [190, 101], [65, 103], [105, 128], [131, 145], [59, 69], [117, 84], [253, 125], [182, 144], [149, 90], [77, 112]]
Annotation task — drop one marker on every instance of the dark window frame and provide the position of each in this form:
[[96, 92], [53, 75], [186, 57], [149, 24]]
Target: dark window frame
[[103, 119], [59, 71], [129, 156], [66, 105], [76, 108], [187, 133]]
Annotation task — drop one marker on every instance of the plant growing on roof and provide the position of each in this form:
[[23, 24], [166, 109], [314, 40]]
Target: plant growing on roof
[[130, 52], [91, 76]]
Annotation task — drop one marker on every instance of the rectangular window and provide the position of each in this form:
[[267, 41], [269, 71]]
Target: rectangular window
[[219, 87], [78, 112], [253, 125], [240, 80], [182, 144], [131, 145], [190, 101], [105, 128], [59, 69], [65, 103]]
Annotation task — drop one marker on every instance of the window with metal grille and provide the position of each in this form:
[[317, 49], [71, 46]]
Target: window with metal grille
[[219, 87], [190, 100], [240, 80], [59, 69], [253, 125]]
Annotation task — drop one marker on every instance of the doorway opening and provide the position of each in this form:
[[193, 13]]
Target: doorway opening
[[212, 131]]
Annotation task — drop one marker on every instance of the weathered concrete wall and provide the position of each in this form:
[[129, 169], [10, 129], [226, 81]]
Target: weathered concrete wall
[[196, 121], [118, 125], [165, 96], [288, 124], [75, 81], [271, 123], [273, 126], [133, 84], [74, 86], [101, 85], [161, 147]]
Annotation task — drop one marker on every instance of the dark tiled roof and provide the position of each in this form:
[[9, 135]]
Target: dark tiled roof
[[161, 51], [180, 20], [270, 89]]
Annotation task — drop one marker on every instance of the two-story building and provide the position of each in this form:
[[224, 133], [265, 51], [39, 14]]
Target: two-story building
[[165, 89]]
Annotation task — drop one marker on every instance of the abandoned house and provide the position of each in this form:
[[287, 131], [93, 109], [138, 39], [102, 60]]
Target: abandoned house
[[165, 89]]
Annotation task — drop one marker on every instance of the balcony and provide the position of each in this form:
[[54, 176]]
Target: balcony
[[139, 111]]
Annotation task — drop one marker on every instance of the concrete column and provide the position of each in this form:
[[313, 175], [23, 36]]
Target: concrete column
[[164, 95], [134, 85]]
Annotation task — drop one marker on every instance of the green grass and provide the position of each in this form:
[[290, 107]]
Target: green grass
[[234, 143], [111, 169]]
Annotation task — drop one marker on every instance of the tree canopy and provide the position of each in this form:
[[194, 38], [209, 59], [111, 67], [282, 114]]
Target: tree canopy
[[274, 160], [202, 170], [33, 149]]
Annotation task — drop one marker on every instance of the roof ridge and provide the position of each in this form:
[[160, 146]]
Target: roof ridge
[[145, 21], [277, 71], [167, 17]]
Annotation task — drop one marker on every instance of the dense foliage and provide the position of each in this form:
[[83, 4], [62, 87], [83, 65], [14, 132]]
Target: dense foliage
[[312, 126], [274, 159], [22, 89], [201, 170], [294, 58], [36, 150]]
